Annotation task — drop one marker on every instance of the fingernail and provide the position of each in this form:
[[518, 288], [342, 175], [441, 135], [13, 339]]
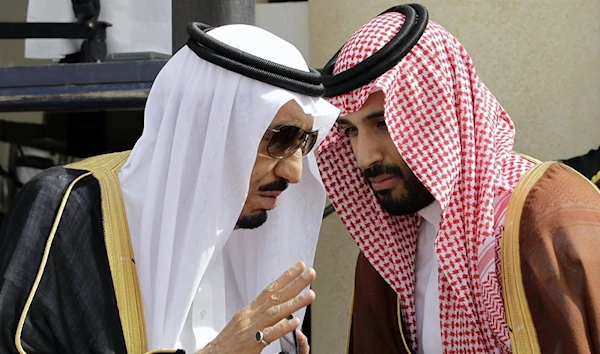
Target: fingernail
[[300, 264], [307, 272]]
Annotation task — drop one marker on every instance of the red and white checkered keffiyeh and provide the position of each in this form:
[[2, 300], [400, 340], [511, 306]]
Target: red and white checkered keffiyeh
[[457, 139]]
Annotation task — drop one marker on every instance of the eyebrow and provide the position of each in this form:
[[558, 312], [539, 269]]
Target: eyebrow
[[306, 121], [373, 115], [303, 122]]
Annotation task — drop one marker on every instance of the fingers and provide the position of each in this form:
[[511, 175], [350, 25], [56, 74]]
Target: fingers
[[303, 347], [290, 290], [295, 286], [284, 296], [280, 329], [287, 277], [274, 313]]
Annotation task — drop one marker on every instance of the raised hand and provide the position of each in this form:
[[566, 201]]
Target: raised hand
[[264, 320]]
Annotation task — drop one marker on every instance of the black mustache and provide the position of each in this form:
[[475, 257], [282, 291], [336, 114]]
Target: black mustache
[[382, 169], [279, 184]]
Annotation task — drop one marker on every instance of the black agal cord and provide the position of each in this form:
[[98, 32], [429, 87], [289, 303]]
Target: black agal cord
[[384, 59], [243, 63]]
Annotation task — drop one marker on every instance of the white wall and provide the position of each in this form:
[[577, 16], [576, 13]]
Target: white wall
[[288, 20]]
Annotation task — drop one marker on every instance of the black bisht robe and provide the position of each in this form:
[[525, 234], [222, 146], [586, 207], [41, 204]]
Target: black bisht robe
[[73, 307]]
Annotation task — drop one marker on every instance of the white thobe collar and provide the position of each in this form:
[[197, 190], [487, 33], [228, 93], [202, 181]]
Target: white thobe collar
[[432, 214]]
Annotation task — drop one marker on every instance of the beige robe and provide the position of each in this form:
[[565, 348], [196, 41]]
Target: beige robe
[[550, 272]]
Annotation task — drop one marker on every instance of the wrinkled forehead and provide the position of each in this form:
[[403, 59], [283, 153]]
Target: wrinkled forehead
[[291, 113]]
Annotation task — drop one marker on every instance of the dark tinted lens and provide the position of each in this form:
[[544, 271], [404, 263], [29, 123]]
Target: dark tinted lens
[[285, 142], [309, 141]]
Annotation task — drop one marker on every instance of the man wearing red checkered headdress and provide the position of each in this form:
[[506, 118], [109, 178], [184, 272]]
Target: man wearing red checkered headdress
[[466, 246]]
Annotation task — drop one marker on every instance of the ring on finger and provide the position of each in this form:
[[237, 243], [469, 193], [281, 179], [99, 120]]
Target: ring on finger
[[259, 337]]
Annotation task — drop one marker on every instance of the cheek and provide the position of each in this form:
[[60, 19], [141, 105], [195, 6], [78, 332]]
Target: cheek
[[263, 167], [391, 149]]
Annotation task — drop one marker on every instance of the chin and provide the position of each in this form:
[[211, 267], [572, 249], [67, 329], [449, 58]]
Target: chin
[[252, 220], [406, 203]]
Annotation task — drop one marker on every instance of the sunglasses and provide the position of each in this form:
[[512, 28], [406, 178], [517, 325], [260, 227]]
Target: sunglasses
[[287, 139]]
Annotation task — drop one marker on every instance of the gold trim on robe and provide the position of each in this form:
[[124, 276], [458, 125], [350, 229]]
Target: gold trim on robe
[[548, 251], [118, 247], [595, 178], [399, 314], [522, 332], [44, 261]]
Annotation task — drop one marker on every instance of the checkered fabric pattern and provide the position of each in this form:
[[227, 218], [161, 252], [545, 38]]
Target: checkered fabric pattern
[[457, 139]]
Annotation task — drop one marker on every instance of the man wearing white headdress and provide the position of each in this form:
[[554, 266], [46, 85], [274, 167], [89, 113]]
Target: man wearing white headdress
[[161, 247]]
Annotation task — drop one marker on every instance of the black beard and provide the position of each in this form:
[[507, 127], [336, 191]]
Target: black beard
[[253, 220], [279, 184], [256, 219], [415, 197]]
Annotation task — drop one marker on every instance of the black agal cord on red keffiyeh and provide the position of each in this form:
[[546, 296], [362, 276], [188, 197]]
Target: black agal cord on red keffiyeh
[[382, 60]]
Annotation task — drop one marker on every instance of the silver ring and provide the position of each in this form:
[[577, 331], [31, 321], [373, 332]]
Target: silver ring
[[259, 337]]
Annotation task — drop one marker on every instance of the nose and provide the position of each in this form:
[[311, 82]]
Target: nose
[[290, 168], [367, 149]]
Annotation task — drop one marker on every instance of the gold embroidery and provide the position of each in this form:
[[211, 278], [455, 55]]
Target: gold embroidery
[[522, 330], [596, 178], [408, 350], [42, 267], [118, 247]]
